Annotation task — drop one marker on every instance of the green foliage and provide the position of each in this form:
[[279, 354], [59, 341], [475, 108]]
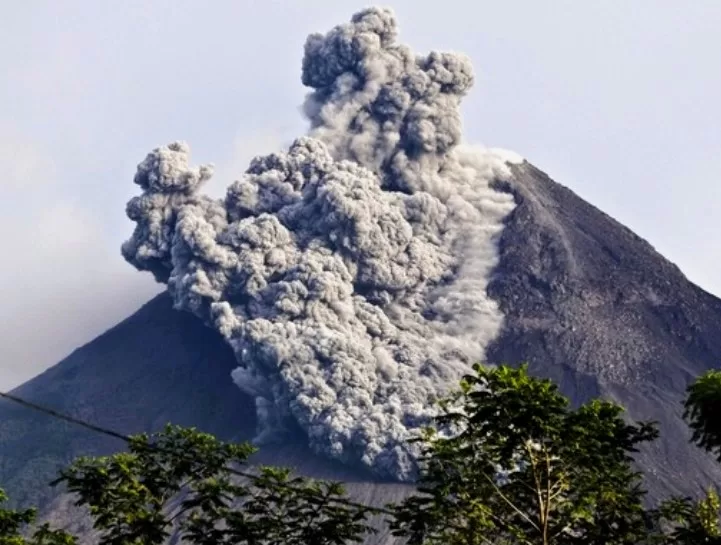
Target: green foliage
[[702, 410], [707, 511], [280, 510], [180, 479], [683, 521], [14, 523], [510, 462]]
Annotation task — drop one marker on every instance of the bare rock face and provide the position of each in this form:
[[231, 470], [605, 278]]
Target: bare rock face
[[587, 303], [594, 307]]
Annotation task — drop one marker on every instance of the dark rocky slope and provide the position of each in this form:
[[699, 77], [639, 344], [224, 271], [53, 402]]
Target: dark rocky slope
[[156, 366], [588, 303], [595, 307]]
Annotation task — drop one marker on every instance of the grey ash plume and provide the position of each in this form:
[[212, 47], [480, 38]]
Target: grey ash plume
[[349, 273]]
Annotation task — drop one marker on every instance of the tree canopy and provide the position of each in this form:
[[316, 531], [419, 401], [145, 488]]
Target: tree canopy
[[510, 462], [14, 523], [703, 411], [189, 482]]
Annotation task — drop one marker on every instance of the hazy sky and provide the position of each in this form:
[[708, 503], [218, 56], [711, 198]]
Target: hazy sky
[[619, 100]]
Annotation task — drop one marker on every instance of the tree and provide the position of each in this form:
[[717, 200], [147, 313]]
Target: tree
[[683, 521], [702, 411], [187, 481], [508, 461], [14, 524]]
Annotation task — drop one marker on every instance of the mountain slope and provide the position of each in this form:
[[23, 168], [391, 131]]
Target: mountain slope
[[595, 307], [156, 366], [587, 303]]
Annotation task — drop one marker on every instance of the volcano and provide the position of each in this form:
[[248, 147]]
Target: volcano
[[344, 284], [588, 304]]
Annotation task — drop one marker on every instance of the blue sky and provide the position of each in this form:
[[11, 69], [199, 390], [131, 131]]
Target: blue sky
[[618, 100]]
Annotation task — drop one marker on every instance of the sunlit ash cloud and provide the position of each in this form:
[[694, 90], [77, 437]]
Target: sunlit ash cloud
[[349, 272]]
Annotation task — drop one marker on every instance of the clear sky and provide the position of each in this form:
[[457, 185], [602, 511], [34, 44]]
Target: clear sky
[[618, 99]]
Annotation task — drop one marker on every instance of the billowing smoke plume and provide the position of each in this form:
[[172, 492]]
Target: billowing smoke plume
[[348, 274]]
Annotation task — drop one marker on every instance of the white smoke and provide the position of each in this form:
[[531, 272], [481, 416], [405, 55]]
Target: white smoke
[[349, 274]]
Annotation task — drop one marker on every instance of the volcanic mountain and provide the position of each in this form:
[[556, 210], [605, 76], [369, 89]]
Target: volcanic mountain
[[588, 304], [343, 284]]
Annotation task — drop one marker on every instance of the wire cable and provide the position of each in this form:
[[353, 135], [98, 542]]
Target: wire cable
[[127, 439]]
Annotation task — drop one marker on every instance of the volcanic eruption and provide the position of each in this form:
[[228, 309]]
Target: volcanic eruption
[[351, 280], [349, 274]]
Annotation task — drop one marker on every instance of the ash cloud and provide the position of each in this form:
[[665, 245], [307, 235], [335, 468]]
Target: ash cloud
[[349, 273]]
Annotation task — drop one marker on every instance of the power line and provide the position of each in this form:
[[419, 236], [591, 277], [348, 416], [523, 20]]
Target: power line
[[127, 439], [65, 417]]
